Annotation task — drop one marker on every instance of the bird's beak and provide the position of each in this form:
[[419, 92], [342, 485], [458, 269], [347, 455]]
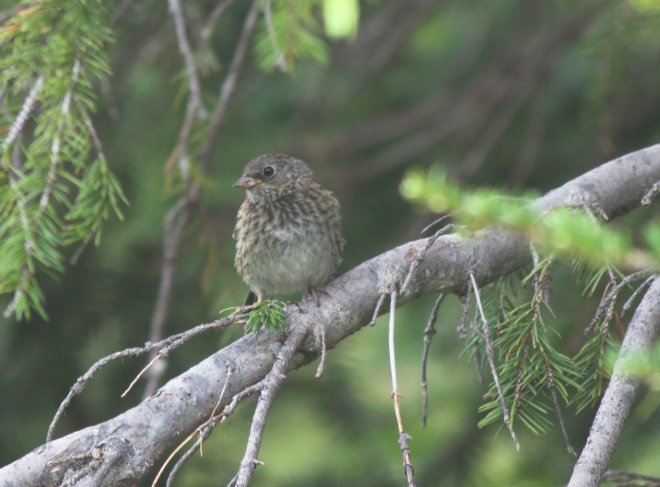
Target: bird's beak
[[246, 182]]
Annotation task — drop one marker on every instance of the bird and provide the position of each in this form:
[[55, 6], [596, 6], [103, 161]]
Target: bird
[[288, 229]]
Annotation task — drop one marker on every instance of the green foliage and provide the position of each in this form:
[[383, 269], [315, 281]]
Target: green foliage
[[290, 33], [563, 231], [532, 372], [341, 17], [268, 314], [55, 185]]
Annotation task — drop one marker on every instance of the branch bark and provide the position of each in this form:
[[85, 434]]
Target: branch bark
[[619, 396], [124, 449]]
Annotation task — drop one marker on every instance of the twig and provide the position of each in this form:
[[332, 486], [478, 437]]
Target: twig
[[22, 117], [648, 198], [490, 355], [627, 305], [324, 350], [164, 347], [156, 357], [280, 60], [119, 13], [175, 223], [605, 309], [379, 305], [461, 329], [272, 383], [228, 86], [191, 450], [418, 259], [404, 437], [205, 429], [619, 397], [435, 222], [555, 400], [624, 478], [429, 331], [181, 212], [214, 17], [188, 58]]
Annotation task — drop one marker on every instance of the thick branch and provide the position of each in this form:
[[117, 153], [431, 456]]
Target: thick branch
[[619, 396], [136, 439]]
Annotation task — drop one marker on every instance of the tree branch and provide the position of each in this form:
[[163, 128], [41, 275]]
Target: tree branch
[[620, 394], [136, 439]]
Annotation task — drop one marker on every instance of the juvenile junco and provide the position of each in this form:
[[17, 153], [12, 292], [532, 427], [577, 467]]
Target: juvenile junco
[[288, 229]]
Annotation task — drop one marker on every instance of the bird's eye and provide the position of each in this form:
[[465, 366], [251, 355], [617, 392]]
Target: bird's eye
[[269, 171]]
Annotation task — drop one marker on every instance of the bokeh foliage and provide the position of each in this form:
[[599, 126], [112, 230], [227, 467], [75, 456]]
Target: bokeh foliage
[[519, 95]]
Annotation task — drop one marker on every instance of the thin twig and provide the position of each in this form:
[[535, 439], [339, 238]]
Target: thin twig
[[272, 383], [164, 347], [652, 193], [156, 357], [628, 304], [418, 260], [379, 305], [205, 429], [175, 223], [324, 350], [461, 329], [280, 60], [181, 212], [429, 331], [188, 58], [404, 438], [214, 18], [435, 222], [605, 309], [490, 355], [229, 85], [555, 400], [199, 442], [28, 105]]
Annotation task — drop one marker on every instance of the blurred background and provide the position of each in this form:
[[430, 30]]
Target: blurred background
[[516, 94]]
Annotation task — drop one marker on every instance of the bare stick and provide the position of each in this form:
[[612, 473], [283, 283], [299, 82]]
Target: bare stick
[[650, 196], [214, 18], [619, 397], [229, 85], [199, 442], [181, 212], [164, 347], [636, 293], [429, 331], [175, 223], [188, 58], [157, 356], [418, 259], [379, 305], [205, 429], [404, 438], [324, 349], [272, 383], [490, 355], [171, 456]]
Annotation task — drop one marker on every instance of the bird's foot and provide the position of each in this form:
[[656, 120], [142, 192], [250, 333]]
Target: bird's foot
[[315, 293]]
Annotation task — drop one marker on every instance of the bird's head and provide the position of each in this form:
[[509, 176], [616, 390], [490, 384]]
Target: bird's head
[[272, 175]]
